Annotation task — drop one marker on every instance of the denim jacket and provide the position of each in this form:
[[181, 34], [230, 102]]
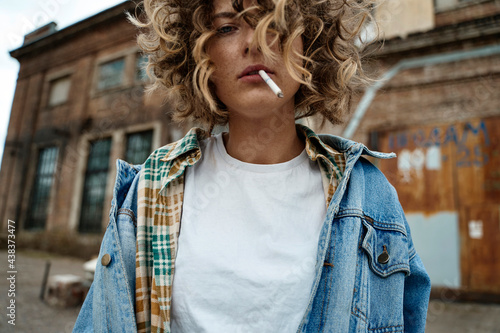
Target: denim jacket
[[369, 277]]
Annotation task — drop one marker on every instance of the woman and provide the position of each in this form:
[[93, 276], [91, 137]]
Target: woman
[[267, 227]]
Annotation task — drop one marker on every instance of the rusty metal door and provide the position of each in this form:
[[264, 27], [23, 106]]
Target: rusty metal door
[[454, 167]]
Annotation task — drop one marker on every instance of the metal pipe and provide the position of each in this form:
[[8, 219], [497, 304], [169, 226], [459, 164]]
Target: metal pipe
[[371, 91]]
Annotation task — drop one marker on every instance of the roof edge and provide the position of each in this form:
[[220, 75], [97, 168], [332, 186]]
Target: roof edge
[[443, 35], [70, 31]]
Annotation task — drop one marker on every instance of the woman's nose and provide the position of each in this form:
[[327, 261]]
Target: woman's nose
[[249, 46]]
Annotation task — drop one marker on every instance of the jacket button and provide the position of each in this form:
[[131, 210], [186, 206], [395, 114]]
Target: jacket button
[[106, 259], [383, 258]]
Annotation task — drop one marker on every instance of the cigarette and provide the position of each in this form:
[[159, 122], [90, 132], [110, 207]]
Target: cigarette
[[274, 87]]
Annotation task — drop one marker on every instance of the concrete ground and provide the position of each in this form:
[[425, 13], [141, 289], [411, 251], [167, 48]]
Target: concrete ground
[[445, 317], [32, 315]]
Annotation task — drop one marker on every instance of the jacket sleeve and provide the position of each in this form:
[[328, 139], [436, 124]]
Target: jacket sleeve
[[109, 305], [416, 295]]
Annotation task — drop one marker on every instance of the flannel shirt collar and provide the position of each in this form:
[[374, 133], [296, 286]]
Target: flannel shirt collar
[[314, 146], [318, 150], [190, 142]]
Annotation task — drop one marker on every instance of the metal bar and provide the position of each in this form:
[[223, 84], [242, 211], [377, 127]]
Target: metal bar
[[44, 282]]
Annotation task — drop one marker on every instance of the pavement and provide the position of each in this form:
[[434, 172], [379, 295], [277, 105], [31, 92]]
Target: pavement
[[33, 315], [444, 317]]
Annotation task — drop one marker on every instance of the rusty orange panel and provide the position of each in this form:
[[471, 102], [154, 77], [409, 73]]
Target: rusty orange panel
[[442, 166], [477, 160], [480, 257], [423, 171]]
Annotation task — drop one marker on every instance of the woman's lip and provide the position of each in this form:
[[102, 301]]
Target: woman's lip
[[254, 78], [256, 69]]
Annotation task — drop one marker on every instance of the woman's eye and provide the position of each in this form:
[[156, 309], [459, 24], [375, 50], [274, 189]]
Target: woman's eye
[[225, 29]]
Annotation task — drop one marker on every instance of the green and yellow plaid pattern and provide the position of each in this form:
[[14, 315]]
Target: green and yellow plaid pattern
[[159, 207]]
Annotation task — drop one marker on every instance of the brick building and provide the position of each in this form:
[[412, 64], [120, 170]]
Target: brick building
[[435, 105], [78, 106]]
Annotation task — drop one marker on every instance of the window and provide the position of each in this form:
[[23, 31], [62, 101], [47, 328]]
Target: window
[[140, 67], [40, 193], [94, 187], [59, 91], [111, 74], [138, 147]]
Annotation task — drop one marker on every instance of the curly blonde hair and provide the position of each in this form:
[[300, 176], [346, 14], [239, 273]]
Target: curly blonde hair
[[174, 35]]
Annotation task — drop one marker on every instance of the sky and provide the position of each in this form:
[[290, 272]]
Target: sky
[[17, 18]]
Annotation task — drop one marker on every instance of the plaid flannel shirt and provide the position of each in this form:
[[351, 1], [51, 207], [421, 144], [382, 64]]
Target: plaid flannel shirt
[[160, 198]]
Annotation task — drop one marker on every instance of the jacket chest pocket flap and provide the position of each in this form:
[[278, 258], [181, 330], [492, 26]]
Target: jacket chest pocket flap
[[386, 245]]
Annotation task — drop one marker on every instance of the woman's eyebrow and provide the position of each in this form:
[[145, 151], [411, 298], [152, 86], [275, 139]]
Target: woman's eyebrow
[[224, 15]]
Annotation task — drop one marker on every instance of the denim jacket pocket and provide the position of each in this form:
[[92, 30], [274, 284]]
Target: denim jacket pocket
[[386, 245]]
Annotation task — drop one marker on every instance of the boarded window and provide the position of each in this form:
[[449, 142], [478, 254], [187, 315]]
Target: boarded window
[[140, 67], [40, 193], [111, 74], [138, 147], [94, 188], [59, 91]]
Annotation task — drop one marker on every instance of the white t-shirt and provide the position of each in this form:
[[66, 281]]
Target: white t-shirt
[[247, 245]]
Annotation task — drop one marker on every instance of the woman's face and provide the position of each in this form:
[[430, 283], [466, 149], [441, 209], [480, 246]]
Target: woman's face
[[236, 80]]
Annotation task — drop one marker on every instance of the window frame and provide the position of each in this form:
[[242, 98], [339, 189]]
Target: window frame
[[118, 145], [50, 77], [82, 226], [51, 87], [33, 186], [122, 74], [128, 79], [128, 136]]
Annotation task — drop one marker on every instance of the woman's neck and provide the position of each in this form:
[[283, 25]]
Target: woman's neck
[[267, 140]]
